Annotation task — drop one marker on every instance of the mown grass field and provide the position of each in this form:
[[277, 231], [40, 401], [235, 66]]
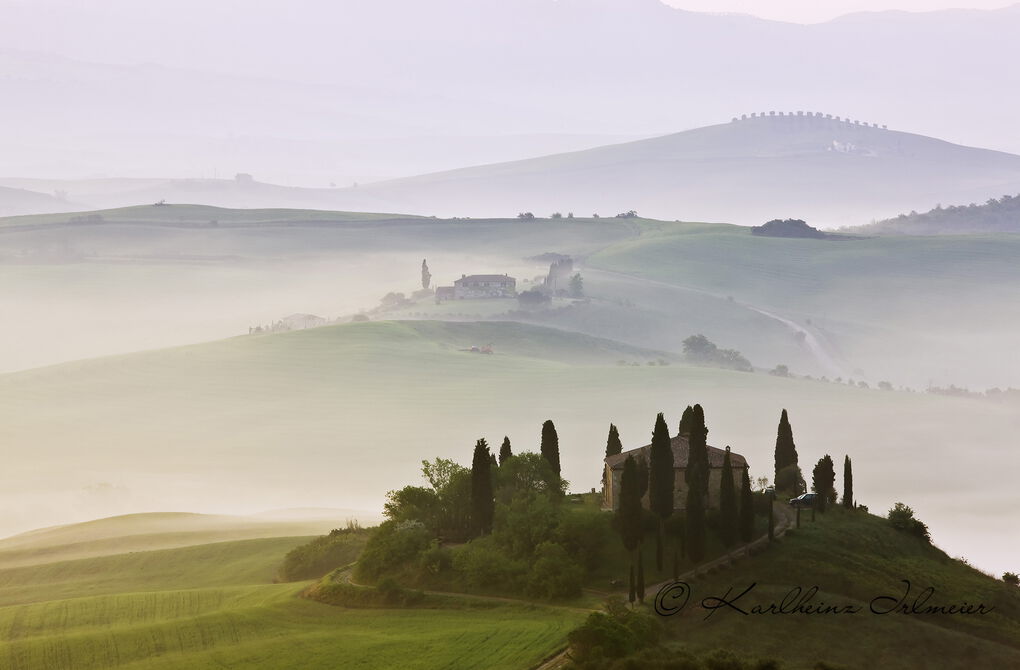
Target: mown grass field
[[214, 606]]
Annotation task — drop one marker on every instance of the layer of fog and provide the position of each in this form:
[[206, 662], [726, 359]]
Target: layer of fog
[[104, 88]]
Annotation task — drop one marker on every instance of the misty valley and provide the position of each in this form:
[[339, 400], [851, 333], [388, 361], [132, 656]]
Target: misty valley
[[461, 344]]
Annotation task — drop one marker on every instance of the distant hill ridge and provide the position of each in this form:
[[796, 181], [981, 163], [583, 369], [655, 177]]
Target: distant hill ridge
[[997, 215]]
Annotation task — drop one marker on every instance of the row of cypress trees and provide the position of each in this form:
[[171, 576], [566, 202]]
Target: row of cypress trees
[[823, 476]]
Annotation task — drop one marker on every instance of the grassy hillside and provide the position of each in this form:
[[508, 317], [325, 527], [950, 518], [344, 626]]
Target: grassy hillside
[[906, 309], [146, 532], [852, 559], [996, 215], [335, 416], [212, 606], [185, 214]]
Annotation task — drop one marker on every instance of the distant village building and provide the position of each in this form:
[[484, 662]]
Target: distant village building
[[473, 287], [681, 450]]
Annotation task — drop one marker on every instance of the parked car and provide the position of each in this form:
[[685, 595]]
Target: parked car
[[804, 500]]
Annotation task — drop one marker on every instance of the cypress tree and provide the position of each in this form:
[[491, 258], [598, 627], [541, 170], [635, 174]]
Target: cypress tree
[[823, 481], [613, 444], [661, 481], [642, 479], [697, 452], [695, 524], [483, 505], [504, 450], [786, 450], [848, 484], [613, 447], [728, 527], [628, 516], [746, 508], [686, 422], [426, 276], [551, 446]]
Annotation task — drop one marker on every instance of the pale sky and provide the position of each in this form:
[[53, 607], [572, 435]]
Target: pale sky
[[812, 11]]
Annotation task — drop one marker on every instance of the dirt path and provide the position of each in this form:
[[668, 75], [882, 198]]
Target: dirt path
[[815, 344]]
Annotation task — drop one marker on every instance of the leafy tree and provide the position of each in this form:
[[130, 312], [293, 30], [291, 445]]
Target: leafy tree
[[728, 524], [1011, 578], [526, 216], [426, 276], [504, 450], [527, 472], [576, 286], [848, 483], [746, 508], [786, 450], [700, 350], [661, 480], [482, 501], [551, 446], [533, 298], [823, 482]]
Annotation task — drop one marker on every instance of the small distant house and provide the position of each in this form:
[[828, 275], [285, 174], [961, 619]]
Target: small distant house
[[484, 286], [681, 451], [302, 321]]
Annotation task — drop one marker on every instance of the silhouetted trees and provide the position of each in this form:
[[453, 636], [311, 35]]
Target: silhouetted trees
[[697, 485], [551, 446], [483, 505], [686, 422], [504, 450], [628, 516], [613, 444], [661, 481], [823, 482], [787, 471]]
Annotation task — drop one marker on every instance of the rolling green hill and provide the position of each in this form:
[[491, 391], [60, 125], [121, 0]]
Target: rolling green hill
[[334, 416], [852, 559], [146, 532], [213, 605]]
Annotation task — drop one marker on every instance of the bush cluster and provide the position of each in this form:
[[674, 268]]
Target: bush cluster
[[318, 557]]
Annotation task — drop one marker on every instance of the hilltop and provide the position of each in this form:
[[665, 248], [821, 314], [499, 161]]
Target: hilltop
[[826, 171]]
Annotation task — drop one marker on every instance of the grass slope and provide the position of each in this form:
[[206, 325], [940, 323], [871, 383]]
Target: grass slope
[[145, 532], [853, 558], [212, 606]]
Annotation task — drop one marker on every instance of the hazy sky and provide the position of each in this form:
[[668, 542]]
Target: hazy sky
[[809, 11]]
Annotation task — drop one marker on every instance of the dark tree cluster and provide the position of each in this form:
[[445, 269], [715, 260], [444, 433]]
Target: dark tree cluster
[[699, 350]]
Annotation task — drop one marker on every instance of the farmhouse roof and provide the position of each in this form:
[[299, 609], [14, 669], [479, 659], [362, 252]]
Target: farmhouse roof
[[681, 452], [485, 278]]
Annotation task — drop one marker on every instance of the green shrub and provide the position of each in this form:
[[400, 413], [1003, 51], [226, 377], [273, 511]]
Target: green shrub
[[483, 564], [554, 575], [391, 548], [318, 557], [901, 517]]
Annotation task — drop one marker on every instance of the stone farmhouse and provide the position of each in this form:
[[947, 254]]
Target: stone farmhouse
[[479, 286], [681, 447]]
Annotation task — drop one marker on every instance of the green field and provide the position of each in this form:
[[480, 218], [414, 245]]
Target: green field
[[853, 558], [214, 606]]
